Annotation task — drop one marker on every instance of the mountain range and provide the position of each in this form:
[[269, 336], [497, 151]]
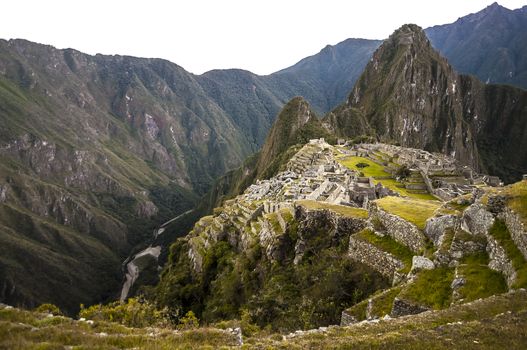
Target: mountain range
[[98, 151]]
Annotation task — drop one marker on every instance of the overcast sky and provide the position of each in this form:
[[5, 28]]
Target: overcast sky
[[200, 35]]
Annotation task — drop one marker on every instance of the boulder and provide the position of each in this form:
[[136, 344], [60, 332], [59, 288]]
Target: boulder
[[437, 226], [421, 263], [477, 220]]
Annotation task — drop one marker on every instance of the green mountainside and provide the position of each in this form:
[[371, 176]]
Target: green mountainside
[[97, 151], [490, 44]]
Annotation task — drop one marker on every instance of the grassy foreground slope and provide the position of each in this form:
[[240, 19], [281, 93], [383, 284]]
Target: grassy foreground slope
[[498, 322]]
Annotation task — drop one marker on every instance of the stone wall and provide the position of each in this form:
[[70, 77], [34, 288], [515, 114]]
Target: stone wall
[[346, 319], [516, 229], [401, 230], [403, 307], [499, 260], [312, 222], [366, 253]]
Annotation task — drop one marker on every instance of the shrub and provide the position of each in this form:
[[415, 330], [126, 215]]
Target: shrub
[[403, 172], [133, 313], [189, 321], [362, 165], [49, 309], [247, 325]]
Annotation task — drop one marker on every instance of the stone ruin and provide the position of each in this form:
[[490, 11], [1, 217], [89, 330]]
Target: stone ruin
[[438, 174]]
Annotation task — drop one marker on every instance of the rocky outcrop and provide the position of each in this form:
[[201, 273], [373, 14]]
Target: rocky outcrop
[[420, 263], [347, 319], [436, 227], [477, 220]]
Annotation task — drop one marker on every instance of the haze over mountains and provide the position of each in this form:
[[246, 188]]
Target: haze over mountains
[[97, 151]]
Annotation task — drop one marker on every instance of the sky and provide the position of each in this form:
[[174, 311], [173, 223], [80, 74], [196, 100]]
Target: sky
[[262, 36]]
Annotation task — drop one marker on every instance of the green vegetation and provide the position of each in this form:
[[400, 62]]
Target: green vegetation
[[132, 313], [49, 309], [371, 169], [265, 294], [21, 329], [448, 238], [383, 302], [481, 281], [416, 211], [498, 322], [500, 232], [189, 321], [389, 245], [494, 323], [517, 200], [431, 288], [275, 224], [375, 170], [339, 209], [358, 310]]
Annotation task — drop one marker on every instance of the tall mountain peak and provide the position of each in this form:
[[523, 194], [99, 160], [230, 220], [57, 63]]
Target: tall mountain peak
[[409, 94], [409, 34], [295, 124]]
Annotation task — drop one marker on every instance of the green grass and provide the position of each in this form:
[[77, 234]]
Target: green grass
[[481, 281], [416, 211], [287, 215], [431, 288], [358, 310], [378, 173], [383, 303], [339, 209], [20, 329], [373, 169], [518, 199], [495, 323], [447, 241], [500, 232], [389, 245], [273, 220]]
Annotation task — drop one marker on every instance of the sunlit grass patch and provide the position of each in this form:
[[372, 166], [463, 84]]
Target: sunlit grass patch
[[416, 211]]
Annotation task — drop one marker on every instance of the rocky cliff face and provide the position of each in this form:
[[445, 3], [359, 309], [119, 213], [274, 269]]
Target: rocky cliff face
[[410, 95]]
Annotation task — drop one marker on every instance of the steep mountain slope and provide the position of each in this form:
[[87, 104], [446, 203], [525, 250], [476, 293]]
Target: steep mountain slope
[[333, 71], [490, 44], [103, 149], [295, 125], [323, 79], [410, 95], [95, 150]]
